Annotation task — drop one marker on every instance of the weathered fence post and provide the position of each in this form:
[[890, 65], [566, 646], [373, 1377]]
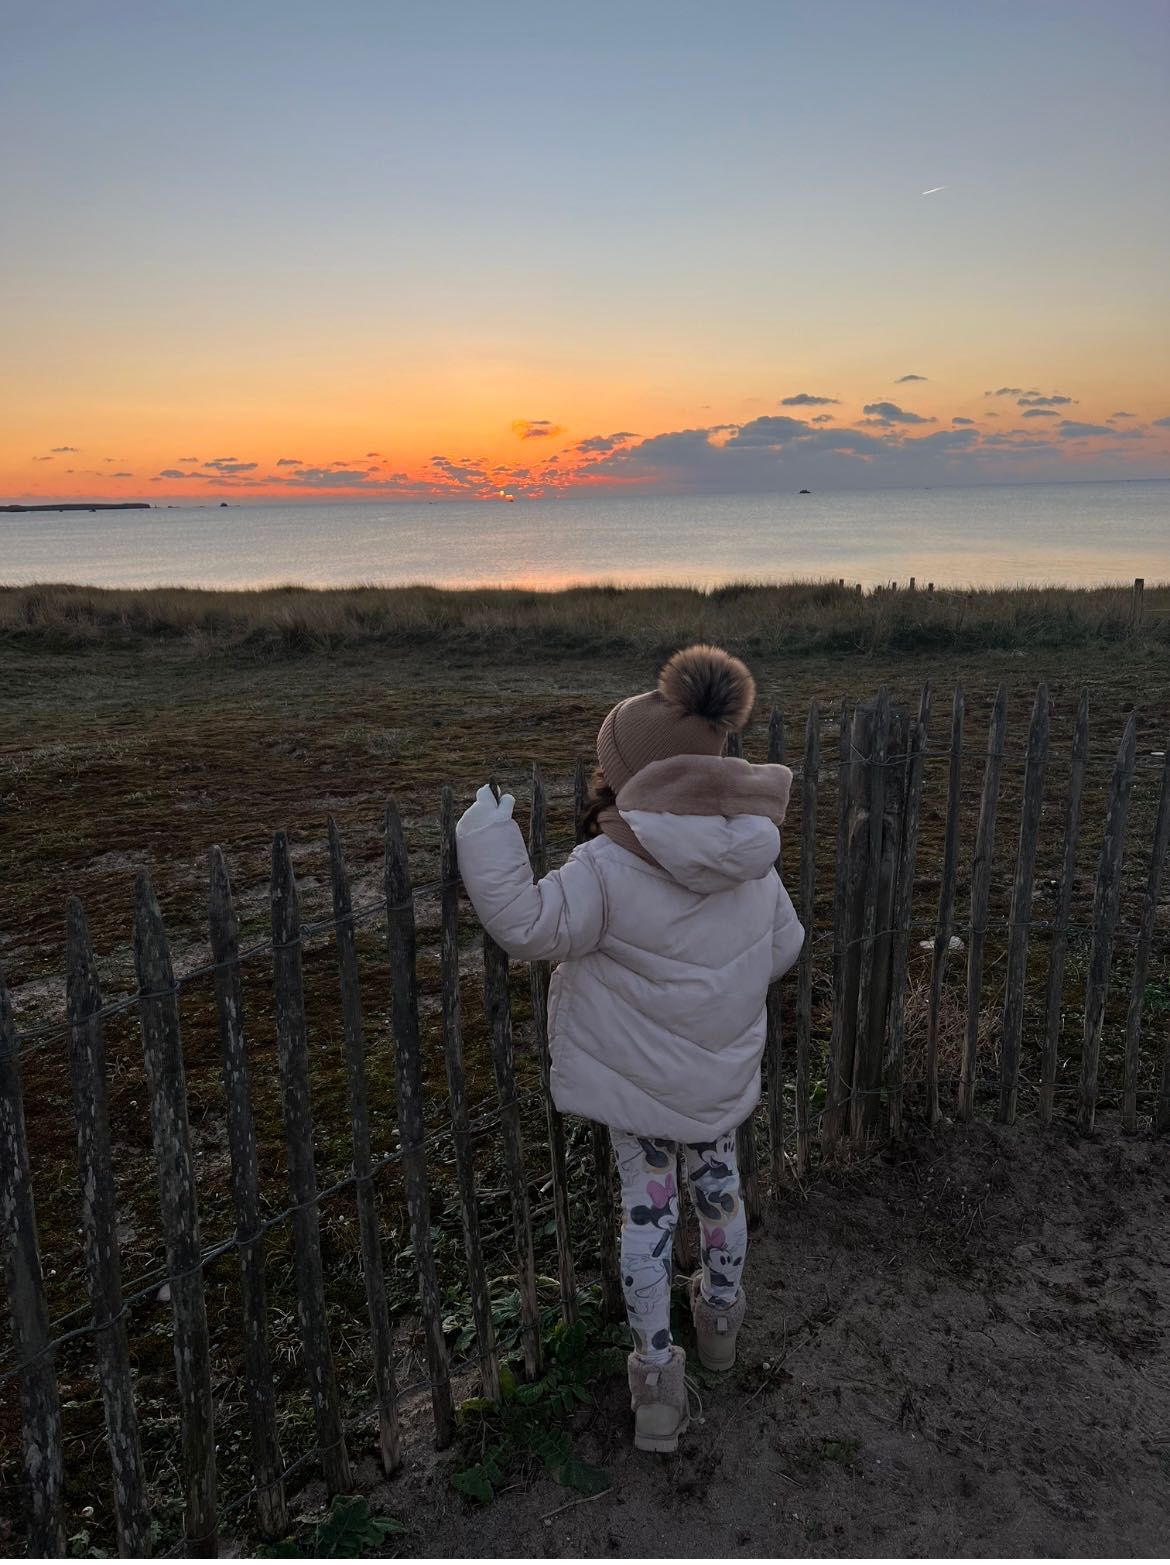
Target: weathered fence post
[[497, 1007], [1106, 898], [1021, 910], [158, 1010], [99, 1228], [481, 1304], [401, 950], [980, 895], [808, 881], [1139, 589], [835, 1084], [538, 977], [293, 1050], [271, 1507], [600, 1145], [902, 914], [1054, 994], [1141, 954], [381, 1337], [946, 905], [40, 1405], [774, 1022], [866, 1058], [746, 1144]]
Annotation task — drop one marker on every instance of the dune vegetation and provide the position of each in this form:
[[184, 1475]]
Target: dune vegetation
[[797, 617]]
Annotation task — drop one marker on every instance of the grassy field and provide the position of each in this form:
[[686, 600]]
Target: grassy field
[[138, 729]]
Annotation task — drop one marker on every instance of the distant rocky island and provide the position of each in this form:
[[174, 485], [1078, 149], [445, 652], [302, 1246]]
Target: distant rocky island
[[118, 505]]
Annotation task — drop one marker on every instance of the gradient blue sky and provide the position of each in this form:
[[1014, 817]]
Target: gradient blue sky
[[404, 249]]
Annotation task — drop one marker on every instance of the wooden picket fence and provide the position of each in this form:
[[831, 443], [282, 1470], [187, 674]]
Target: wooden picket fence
[[843, 1023]]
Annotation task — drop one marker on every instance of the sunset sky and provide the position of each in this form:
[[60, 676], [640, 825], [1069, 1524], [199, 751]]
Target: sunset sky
[[423, 248]]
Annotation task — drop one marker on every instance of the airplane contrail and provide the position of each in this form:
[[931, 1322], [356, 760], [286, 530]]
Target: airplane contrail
[[934, 190]]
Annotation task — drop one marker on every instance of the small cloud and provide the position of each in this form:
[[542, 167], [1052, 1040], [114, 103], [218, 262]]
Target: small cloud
[[1006, 391], [174, 472], [187, 459], [1069, 430], [604, 442], [903, 379], [1034, 401], [822, 418], [805, 399], [42, 458], [289, 461], [535, 428], [891, 413], [228, 466], [330, 477], [1123, 414], [373, 453], [962, 421], [1161, 423], [121, 475], [1040, 413], [57, 450]]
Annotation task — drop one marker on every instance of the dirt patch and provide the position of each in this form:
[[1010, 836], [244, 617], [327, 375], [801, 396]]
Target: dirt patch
[[955, 1348]]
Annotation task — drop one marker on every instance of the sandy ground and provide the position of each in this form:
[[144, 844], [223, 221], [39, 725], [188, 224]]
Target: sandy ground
[[957, 1348]]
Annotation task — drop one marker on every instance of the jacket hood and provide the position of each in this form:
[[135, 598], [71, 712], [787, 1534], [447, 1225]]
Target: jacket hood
[[711, 822], [707, 852]]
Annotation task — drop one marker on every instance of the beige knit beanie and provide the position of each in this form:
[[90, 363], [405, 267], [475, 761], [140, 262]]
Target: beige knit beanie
[[703, 694]]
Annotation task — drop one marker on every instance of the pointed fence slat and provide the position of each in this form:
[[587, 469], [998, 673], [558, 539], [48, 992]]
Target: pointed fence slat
[[808, 882], [893, 1070], [746, 1142], [293, 1052], [538, 977], [857, 881], [271, 1505], [946, 905], [162, 1049], [401, 941], [980, 896], [1021, 910], [863, 1105], [1058, 950], [481, 1304], [1133, 1020], [774, 1026], [40, 1404], [381, 1337], [600, 1146], [1106, 899], [99, 1227], [834, 1087], [498, 1012]]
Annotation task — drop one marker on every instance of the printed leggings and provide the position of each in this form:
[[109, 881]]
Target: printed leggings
[[649, 1216]]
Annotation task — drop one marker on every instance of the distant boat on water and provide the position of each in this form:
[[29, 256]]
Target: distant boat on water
[[805, 491]]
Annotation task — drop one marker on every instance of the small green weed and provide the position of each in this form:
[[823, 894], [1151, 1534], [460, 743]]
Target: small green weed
[[349, 1529], [530, 1420]]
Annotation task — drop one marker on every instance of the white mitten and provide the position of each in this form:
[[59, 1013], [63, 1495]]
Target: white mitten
[[484, 812]]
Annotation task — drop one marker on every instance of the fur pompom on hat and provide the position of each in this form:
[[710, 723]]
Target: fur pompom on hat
[[703, 694]]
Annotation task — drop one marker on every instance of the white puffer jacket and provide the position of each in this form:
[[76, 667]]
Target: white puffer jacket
[[657, 1010]]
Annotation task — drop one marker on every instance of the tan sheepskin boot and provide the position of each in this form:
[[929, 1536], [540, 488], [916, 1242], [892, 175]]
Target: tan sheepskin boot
[[658, 1397], [716, 1329]]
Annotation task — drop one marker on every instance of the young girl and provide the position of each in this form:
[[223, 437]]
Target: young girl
[[669, 923]]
